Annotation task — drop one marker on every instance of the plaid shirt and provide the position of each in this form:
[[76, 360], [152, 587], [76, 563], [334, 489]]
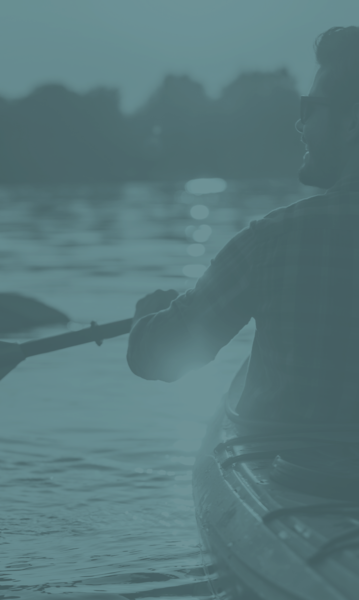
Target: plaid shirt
[[296, 272]]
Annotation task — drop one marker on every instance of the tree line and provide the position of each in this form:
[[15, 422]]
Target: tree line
[[55, 135]]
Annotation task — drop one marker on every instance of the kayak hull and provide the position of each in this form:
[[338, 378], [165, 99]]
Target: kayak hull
[[268, 540]]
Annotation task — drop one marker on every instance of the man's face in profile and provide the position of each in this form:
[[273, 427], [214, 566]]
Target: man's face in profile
[[321, 132]]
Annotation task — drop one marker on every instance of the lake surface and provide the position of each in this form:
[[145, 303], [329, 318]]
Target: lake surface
[[95, 463]]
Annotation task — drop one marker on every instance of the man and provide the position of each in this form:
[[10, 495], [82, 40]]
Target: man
[[296, 272]]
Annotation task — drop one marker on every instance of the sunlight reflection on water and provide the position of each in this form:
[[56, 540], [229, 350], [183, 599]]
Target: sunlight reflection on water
[[202, 234], [202, 186], [96, 463], [199, 211]]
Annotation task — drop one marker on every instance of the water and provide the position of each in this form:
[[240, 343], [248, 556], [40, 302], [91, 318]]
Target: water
[[96, 496]]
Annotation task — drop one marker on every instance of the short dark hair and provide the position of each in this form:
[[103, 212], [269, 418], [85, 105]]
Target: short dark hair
[[337, 50]]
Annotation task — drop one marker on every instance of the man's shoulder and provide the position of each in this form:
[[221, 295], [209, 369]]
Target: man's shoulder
[[280, 219], [306, 206]]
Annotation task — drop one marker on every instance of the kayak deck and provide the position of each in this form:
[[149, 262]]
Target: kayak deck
[[270, 540]]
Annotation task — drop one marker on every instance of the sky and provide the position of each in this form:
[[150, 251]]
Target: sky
[[133, 44]]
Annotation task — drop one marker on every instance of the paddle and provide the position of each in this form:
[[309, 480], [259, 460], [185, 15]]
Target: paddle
[[11, 354]]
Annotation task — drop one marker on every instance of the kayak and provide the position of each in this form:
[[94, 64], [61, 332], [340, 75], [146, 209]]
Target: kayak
[[278, 512]]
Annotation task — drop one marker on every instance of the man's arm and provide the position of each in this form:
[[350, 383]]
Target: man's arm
[[173, 334]]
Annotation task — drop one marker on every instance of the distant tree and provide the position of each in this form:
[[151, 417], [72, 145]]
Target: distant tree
[[55, 135], [169, 133], [255, 126]]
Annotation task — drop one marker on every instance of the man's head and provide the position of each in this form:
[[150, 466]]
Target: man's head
[[330, 130]]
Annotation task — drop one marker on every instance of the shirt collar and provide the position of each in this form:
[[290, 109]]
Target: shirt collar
[[350, 183]]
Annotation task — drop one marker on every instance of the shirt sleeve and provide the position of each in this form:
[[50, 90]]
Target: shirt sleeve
[[198, 323]]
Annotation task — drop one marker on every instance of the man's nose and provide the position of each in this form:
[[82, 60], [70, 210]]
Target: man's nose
[[299, 126]]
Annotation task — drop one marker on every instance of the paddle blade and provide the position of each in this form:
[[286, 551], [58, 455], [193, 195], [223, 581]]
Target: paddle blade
[[10, 356], [19, 313]]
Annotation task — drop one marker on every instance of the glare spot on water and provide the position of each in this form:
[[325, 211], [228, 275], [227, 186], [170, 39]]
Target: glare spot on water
[[189, 231], [194, 271], [199, 211], [195, 249], [202, 233], [205, 186]]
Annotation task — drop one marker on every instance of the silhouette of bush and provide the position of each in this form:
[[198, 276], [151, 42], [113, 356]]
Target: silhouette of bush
[[256, 116], [55, 135]]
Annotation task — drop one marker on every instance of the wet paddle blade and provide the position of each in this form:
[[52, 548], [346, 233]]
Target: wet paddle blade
[[10, 356]]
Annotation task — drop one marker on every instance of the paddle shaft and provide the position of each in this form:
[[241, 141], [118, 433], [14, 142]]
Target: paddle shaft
[[95, 333]]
